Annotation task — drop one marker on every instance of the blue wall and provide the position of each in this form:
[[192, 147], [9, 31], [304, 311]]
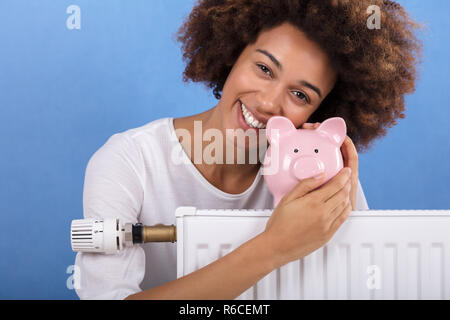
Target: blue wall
[[64, 92]]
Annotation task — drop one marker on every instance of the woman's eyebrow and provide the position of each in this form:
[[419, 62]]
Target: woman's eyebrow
[[280, 67], [309, 85], [271, 57]]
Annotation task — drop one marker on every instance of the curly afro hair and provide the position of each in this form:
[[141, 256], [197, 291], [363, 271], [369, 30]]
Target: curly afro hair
[[376, 67]]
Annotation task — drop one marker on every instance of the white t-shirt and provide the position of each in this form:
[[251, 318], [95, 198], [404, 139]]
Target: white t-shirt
[[137, 176]]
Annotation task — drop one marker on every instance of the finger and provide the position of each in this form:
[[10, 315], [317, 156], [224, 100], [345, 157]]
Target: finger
[[304, 187], [308, 125], [353, 194], [334, 185], [350, 156], [340, 219], [342, 196], [337, 211]]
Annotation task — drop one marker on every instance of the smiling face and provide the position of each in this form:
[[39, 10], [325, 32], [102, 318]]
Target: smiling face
[[282, 73]]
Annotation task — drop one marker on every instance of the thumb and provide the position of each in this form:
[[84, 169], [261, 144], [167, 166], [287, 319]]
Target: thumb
[[304, 187]]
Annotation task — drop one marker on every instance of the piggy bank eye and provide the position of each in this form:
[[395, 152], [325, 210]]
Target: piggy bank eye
[[316, 150], [295, 150]]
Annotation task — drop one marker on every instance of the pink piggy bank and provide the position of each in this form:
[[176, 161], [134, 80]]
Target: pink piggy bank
[[296, 154]]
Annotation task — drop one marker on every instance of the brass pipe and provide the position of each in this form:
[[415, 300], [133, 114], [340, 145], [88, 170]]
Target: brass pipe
[[159, 233]]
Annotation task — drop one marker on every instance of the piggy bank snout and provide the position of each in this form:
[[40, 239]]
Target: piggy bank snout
[[307, 167]]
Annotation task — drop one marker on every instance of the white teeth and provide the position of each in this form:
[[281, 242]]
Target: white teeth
[[252, 122]]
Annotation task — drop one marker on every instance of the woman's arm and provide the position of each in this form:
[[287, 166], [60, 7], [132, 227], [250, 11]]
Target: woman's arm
[[303, 221], [226, 278]]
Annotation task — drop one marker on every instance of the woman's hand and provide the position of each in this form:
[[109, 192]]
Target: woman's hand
[[350, 156], [307, 217]]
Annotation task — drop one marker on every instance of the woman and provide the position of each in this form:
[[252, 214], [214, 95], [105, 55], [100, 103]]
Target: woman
[[305, 60]]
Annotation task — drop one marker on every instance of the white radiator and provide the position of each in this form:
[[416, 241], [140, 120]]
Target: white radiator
[[376, 254]]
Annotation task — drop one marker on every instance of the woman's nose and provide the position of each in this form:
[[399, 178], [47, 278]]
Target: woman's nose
[[270, 101]]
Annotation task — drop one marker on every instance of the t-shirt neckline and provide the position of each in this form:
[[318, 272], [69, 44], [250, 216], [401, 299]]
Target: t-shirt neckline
[[201, 178]]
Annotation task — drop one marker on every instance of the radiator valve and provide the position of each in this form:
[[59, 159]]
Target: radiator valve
[[110, 235]]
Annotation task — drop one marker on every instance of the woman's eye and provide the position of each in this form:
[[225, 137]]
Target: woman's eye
[[301, 96], [264, 69]]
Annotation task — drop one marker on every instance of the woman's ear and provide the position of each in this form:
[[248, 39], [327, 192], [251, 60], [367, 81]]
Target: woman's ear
[[277, 126], [335, 129]]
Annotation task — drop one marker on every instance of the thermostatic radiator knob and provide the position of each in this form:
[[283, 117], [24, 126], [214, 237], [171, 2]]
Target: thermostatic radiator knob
[[110, 236]]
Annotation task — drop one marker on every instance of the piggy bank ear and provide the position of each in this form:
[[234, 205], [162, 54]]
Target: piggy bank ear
[[335, 129], [278, 125]]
